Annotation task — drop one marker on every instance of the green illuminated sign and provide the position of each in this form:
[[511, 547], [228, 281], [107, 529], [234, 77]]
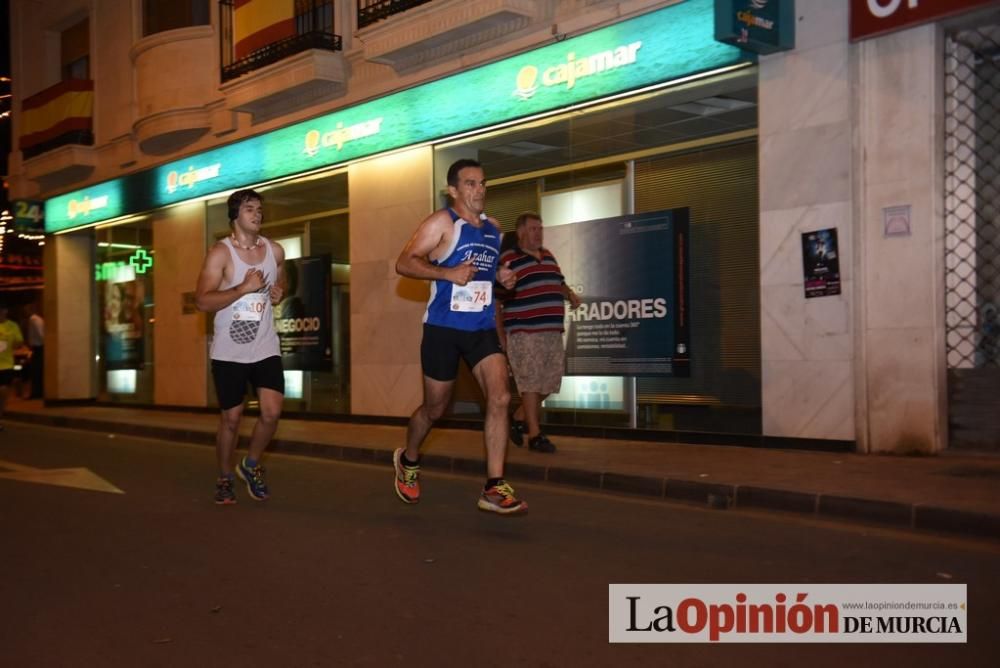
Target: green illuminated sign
[[83, 207], [140, 261], [111, 271], [660, 46]]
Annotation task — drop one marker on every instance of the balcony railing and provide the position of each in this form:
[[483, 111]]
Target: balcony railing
[[57, 116], [371, 11], [311, 27]]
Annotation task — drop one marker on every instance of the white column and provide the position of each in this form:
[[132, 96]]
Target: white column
[[899, 160], [807, 356]]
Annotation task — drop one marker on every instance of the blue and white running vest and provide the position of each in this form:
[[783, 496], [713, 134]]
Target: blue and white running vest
[[469, 307]]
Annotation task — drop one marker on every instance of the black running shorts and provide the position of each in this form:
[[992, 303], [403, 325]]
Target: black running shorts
[[231, 379], [443, 346]]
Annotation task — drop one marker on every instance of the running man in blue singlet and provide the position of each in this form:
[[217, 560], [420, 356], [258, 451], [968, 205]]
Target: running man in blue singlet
[[457, 249]]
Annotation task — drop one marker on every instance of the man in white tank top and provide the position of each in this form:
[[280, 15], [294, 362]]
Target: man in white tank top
[[241, 281]]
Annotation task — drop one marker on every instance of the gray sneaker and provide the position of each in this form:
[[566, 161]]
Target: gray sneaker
[[224, 494]]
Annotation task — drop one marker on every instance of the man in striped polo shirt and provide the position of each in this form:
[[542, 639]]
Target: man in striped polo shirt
[[533, 315]]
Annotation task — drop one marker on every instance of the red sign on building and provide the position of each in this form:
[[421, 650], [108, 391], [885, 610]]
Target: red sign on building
[[876, 17]]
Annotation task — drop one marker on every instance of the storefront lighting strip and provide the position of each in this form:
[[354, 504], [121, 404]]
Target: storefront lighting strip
[[624, 97], [331, 170], [105, 244]]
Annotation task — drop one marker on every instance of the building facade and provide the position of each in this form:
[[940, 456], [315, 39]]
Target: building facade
[[829, 188]]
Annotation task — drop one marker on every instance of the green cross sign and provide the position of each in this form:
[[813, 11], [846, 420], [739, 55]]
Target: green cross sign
[[141, 261]]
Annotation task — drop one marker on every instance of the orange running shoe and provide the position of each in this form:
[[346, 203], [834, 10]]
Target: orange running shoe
[[407, 483], [500, 499]]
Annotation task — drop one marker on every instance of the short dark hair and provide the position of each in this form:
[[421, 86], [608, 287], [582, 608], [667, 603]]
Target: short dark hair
[[458, 166], [525, 217], [237, 199]]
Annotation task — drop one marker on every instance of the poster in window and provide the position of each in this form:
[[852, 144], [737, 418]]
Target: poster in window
[[122, 324], [303, 319], [631, 273]]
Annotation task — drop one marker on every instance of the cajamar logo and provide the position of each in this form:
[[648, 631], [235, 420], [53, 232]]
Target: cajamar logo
[[315, 140], [85, 206], [188, 179], [573, 69]]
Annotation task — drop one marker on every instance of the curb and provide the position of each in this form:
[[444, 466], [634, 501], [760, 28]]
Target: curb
[[898, 515]]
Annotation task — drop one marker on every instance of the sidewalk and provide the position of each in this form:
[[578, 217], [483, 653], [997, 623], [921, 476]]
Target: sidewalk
[[957, 494]]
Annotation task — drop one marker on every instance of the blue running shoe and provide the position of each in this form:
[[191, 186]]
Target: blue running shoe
[[254, 478]]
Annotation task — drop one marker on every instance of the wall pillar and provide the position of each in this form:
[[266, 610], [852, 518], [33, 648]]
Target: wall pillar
[[807, 356], [388, 196], [899, 160], [69, 324], [180, 354]]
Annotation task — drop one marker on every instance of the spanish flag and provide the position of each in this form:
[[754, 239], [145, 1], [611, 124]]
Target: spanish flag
[[63, 110], [258, 23]]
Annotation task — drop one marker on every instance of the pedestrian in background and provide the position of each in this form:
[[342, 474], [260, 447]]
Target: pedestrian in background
[[533, 314], [36, 341], [10, 340]]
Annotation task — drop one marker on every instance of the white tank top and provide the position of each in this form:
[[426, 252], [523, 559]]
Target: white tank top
[[244, 330]]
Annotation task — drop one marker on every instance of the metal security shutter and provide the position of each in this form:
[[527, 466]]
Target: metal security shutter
[[720, 187], [506, 202], [972, 236]]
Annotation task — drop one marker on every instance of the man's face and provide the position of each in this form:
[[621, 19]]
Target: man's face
[[470, 192], [250, 216], [530, 235]]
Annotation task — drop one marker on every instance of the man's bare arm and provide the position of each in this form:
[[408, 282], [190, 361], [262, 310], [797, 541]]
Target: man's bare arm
[[277, 291], [414, 262]]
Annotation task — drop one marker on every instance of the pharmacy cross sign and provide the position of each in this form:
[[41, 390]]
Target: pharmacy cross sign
[[141, 261]]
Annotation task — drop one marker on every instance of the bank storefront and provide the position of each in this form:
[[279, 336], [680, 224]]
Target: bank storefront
[[636, 142]]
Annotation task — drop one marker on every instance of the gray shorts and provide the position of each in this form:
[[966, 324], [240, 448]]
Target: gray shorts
[[538, 360]]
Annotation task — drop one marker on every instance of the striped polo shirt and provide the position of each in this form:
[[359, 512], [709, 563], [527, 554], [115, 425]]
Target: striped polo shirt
[[536, 302]]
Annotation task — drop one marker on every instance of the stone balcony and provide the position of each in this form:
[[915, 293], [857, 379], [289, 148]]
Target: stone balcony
[[174, 81], [296, 82], [61, 166], [438, 30]]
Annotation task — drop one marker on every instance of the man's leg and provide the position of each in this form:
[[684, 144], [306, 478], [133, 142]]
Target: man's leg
[[270, 410], [225, 437], [491, 373], [437, 394], [3, 401], [37, 372], [532, 403], [249, 468]]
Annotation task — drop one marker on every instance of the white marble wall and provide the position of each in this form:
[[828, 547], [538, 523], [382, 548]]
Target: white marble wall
[[180, 356], [389, 197], [807, 357], [901, 315], [69, 325], [847, 130]]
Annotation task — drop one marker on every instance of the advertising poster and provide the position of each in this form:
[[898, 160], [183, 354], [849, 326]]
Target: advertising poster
[[302, 319], [631, 275], [821, 264], [123, 325]]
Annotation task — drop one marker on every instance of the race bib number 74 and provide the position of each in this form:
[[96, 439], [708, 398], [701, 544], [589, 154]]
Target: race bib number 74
[[473, 296]]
